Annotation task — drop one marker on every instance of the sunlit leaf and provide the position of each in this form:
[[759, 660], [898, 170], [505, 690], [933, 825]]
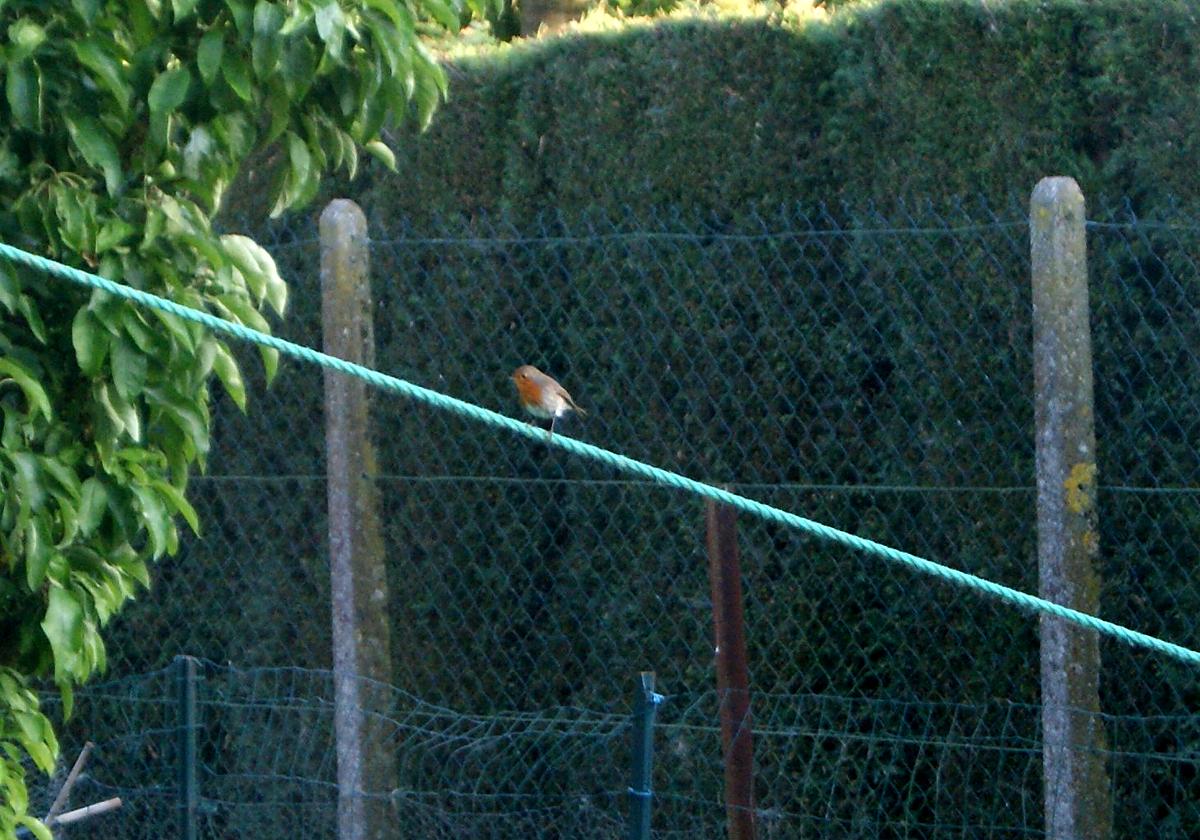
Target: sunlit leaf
[[380, 151], [24, 36], [226, 369], [63, 626]]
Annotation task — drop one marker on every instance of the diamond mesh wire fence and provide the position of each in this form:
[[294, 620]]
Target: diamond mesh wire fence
[[871, 371]]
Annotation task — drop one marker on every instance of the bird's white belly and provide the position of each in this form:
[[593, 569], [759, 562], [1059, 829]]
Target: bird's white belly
[[547, 410]]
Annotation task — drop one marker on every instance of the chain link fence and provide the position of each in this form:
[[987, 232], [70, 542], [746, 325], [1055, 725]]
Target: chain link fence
[[868, 370]]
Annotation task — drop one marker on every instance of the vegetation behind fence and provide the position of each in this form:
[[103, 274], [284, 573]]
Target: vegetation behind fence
[[869, 372]]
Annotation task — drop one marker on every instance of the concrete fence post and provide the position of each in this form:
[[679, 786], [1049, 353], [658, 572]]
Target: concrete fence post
[[1078, 803], [361, 646]]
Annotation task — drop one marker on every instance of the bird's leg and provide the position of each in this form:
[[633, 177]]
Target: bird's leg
[[550, 434]]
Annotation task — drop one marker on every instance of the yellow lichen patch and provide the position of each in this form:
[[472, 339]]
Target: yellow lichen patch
[[1079, 486], [1091, 541]]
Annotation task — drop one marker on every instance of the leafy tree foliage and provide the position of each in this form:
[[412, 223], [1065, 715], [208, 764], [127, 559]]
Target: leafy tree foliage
[[122, 122]]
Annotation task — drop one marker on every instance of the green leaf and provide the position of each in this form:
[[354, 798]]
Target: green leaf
[[37, 737], [113, 233], [242, 14], [380, 151], [87, 9], [237, 74], [427, 96], [208, 56], [23, 87], [238, 308], [37, 553], [63, 626], [26, 307], [167, 93], [27, 477], [155, 517], [90, 341], [26, 36], [97, 148], [133, 322], [10, 287], [442, 13], [298, 175], [35, 395], [299, 67], [226, 369], [189, 418], [392, 10], [299, 159], [63, 473], [92, 506], [181, 504], [123, 415], [68, 699], [111, 75], [177, 328], [279, 105], [183, 8], [270, 360], [252, 260], [128, 368], [76, 214], [350, 149], [331, 28], [169, 90], [267, 44]]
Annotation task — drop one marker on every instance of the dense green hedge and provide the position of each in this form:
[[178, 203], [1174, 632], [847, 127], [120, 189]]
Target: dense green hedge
[[910, 97]]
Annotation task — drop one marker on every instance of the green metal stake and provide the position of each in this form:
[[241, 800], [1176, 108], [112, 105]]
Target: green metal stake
[[645, 704], [189, 724]]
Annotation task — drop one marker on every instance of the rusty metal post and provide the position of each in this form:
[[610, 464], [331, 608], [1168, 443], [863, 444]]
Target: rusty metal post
[[361, 644], [1077, 798], [733, 674]]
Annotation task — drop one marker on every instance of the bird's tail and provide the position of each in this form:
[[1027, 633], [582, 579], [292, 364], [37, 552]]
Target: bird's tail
[[571, 402]]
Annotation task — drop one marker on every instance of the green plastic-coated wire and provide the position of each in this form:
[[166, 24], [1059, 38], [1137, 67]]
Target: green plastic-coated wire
[[613, 459]]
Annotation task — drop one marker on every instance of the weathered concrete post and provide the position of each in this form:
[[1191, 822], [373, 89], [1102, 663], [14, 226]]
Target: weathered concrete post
[[1077, 800], [361, 644]]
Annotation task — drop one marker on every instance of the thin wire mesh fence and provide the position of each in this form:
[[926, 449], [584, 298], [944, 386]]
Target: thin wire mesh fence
[[267, 763], [869, 371]]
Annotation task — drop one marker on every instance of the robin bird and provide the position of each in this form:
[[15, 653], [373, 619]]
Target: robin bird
[[542, 396]]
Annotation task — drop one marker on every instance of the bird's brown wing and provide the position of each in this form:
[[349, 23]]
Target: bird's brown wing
[[562, 392]]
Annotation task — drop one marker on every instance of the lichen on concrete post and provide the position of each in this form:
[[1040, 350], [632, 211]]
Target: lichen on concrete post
[[1077, 796], [359, 591]]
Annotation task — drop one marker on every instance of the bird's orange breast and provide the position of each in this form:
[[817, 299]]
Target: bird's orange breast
[[530, 392]]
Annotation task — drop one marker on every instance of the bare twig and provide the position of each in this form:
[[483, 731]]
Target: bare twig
[[65, 790], [93, 810]]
